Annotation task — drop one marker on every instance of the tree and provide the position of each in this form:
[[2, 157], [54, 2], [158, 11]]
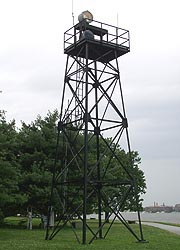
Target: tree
[[116, 172], [10, 197], [128, 171], [37, 142], [27, 159]]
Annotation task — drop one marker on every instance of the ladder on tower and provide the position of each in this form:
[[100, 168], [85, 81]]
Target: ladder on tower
[[79, 92]]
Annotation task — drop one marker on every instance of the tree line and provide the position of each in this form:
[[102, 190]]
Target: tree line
[[27, 157]]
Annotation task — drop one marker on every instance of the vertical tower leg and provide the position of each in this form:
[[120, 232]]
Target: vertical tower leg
[[86, 120], [97, 134]]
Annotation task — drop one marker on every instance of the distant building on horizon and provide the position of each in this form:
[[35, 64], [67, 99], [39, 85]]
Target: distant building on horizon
[[159, 209]]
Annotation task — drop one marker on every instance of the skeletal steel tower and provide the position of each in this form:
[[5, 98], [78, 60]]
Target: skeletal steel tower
[[92, 110]]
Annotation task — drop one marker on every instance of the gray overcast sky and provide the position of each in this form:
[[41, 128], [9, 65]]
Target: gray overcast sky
[[32, 69]]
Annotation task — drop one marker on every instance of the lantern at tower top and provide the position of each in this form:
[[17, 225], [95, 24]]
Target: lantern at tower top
[[85, 15]]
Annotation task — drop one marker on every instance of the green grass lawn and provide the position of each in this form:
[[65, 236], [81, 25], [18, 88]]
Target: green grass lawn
[[118, 239]]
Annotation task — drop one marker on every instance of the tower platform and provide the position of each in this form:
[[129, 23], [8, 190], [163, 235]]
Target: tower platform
[[105, 43]]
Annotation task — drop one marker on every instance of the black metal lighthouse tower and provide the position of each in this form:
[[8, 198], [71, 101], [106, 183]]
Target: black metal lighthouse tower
[[92, 125]]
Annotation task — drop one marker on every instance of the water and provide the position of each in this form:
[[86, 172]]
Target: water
[[173, 217]]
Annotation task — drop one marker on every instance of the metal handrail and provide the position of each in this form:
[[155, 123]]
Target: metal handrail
[[73, 34]]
